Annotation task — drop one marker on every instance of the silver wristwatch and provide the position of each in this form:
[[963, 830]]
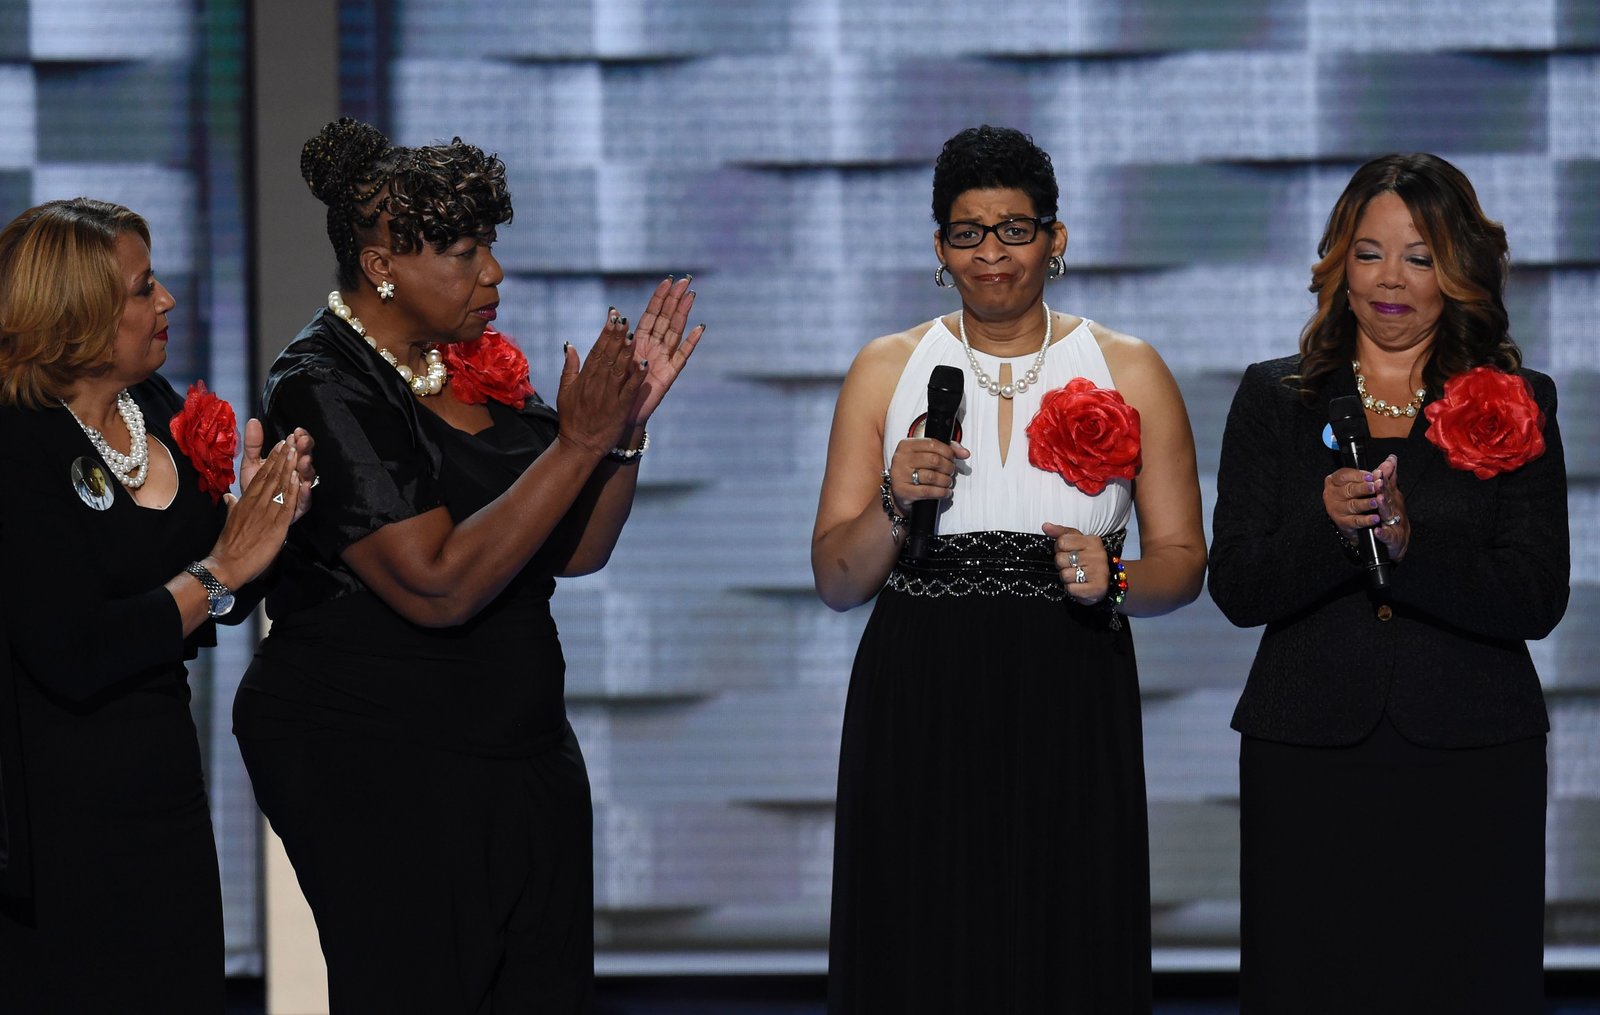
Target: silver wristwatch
[[219, 596]]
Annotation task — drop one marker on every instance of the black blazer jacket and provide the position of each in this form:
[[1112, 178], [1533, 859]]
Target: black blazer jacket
[[1444, 655]]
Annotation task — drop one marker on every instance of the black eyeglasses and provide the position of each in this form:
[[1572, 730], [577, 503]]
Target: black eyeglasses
[[1013, 232]]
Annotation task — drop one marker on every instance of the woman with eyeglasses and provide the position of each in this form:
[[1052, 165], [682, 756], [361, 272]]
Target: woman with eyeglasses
[[403, 723], [991, 848]]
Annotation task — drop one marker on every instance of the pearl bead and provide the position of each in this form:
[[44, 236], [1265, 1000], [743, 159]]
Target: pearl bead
[[438, 374]]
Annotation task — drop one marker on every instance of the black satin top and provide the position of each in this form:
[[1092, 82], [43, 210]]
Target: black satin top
[[337, 656]]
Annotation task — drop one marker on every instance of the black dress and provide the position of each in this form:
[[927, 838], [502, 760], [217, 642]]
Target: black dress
[[991, 849], [425, 781], [121, 908]]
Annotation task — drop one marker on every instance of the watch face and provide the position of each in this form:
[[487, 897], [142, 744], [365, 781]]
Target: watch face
[[221, 605]]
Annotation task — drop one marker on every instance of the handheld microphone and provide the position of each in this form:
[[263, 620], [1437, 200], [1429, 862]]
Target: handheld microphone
[[1348, 419], [944, 398]]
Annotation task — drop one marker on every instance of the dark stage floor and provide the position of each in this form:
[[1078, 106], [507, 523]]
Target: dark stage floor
[[1570, 993]]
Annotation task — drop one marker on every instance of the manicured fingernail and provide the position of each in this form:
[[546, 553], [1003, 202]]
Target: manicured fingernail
[[630, 337], [1367, 477], [565, 346], [688, 278], [623, 320], [691, 292], [644, 364]]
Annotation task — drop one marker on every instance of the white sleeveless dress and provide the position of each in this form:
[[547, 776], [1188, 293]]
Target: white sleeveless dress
[[1012, 496], [990, 848]]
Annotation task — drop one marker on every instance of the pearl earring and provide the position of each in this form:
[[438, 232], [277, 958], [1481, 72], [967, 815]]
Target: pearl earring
[[386, 290]]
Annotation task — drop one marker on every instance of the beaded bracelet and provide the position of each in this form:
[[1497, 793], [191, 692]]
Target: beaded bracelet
[[897, 521], [626, 455], [1116, 590]]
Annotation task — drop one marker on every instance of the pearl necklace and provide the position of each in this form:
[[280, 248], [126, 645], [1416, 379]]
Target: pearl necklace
[[1378, 405], [131, 469], [993, 386], [421, 385]]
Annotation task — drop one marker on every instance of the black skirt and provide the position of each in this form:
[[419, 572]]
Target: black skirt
[[1388, 877], [991, 845]]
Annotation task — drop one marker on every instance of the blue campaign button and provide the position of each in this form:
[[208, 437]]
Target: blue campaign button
[[1327, 437]]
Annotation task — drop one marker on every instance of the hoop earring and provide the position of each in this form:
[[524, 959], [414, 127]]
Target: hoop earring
[[1058, 266], [938, 277], [386, 290]]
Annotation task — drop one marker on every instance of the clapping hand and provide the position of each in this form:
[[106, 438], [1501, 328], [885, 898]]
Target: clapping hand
[[251, 463], [659, 340]]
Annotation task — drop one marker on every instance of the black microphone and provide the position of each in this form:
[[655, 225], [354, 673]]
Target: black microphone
[[944, 398], [1348, 420]]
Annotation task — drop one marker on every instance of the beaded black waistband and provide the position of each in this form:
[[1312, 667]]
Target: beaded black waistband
[[988, 564]]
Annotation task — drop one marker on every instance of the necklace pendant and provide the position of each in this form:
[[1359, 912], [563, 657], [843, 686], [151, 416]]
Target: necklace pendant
[[1007, 391]]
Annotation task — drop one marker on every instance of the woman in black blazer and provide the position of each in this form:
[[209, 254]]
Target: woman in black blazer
[[1392, 770]]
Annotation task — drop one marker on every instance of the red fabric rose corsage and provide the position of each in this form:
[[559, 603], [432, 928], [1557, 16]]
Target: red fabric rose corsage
[[1087, 434], [1487, 422], [207, 432], [488, 367]]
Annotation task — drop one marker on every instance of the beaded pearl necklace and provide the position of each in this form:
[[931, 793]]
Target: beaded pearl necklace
[[131, 469], [1017, 387], [1381, 407], [421, 385]]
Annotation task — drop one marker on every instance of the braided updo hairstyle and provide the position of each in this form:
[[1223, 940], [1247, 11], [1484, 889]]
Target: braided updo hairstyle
[[435, 194]]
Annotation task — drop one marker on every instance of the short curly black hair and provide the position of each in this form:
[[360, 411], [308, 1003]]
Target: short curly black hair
[[434, 194], [993, 158]]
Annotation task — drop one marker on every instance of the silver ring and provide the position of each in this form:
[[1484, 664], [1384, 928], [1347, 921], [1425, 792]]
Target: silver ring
[[1391, 520], [1072, 558], [277, 498], [914, 480], [1079, 577]]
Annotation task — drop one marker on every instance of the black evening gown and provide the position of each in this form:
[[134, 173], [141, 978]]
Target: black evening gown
[[427, 786], [122, 910], [991, 842]]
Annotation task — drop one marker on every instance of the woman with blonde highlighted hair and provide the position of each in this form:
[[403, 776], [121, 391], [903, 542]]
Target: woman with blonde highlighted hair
[[123, 548]]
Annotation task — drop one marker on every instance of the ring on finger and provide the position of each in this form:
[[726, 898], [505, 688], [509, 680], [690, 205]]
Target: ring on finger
[[915, 479], [1392, 520], [277, 498], [1072, 558], [1078, 576]]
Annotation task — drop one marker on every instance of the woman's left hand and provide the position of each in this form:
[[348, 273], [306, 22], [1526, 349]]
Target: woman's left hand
[[1394, 525], [253, 460], [658, 338], [1082, 562]]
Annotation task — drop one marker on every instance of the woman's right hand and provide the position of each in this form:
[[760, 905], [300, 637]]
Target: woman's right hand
[[923, 469], [258, 521], [594, 400], [1355, 499]]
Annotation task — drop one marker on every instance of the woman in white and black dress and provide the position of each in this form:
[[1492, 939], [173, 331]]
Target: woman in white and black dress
[[991, 848]]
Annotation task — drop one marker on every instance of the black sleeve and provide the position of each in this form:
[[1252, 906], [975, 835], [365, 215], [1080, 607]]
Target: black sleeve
[[1274, 553], [1515, 584], [373, 465]]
